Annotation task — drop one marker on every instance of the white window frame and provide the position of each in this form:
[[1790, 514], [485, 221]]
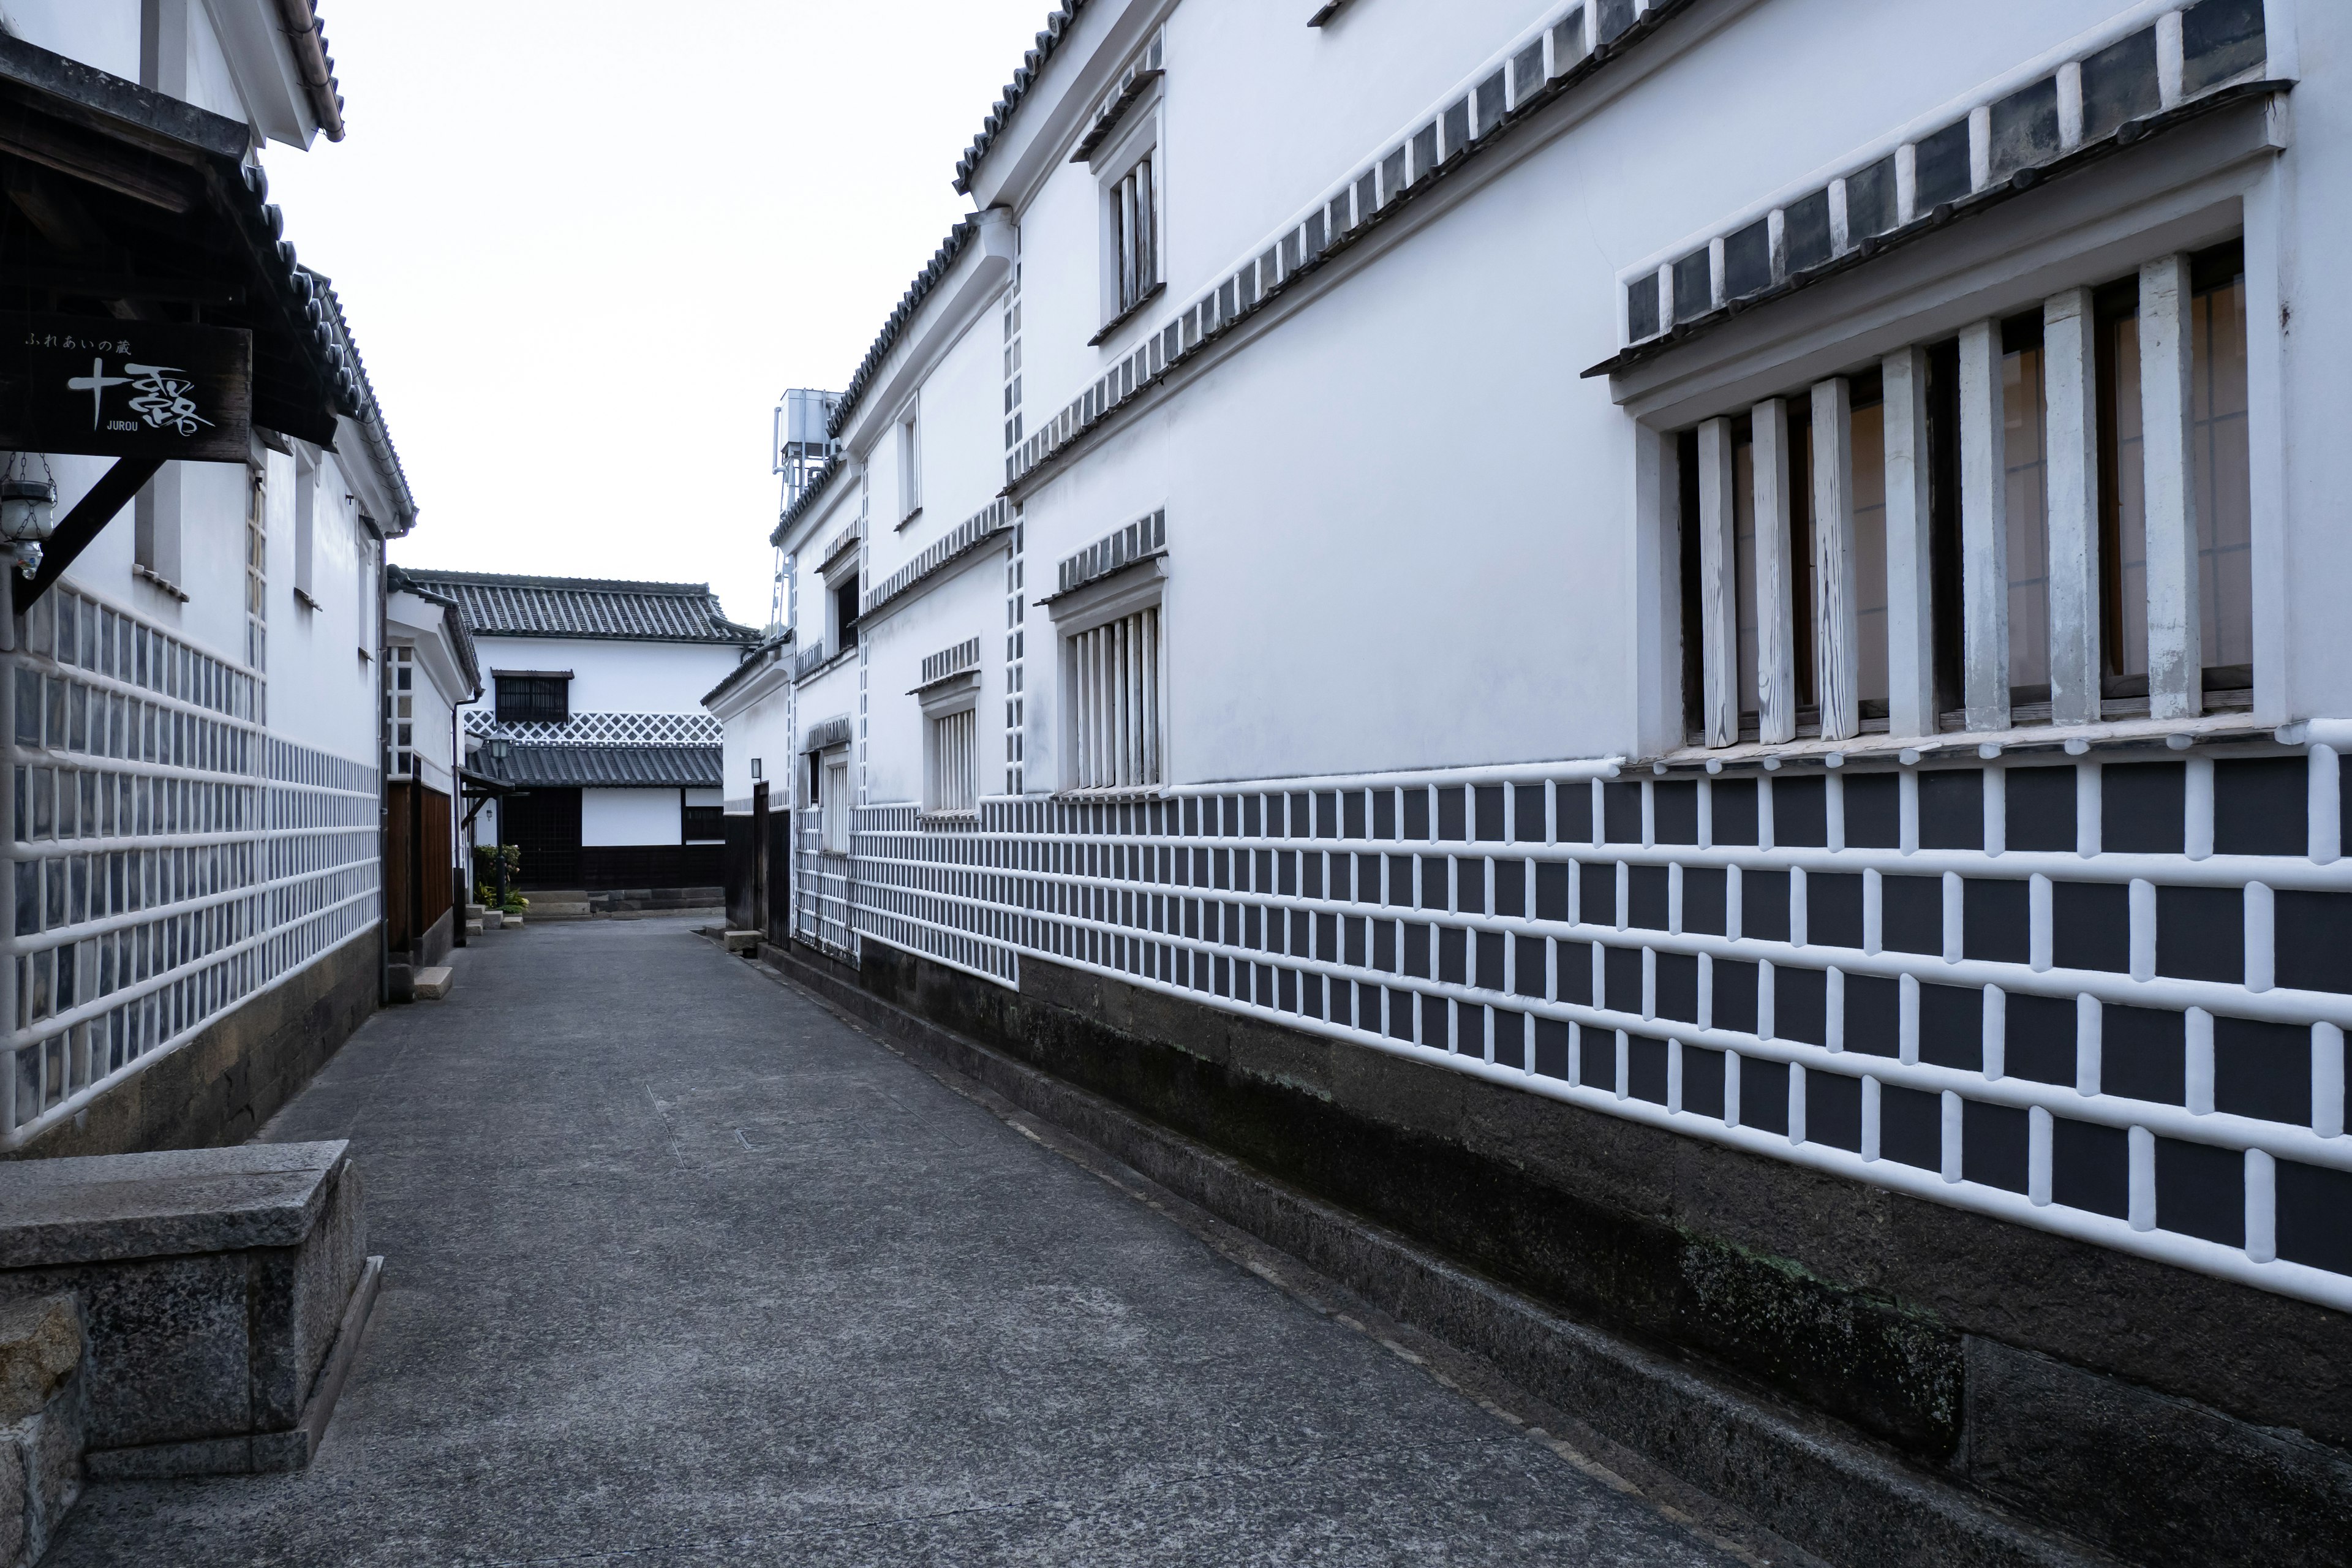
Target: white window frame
[[833, 802], [2012, 263], [401, 702], [951, 746], [307, 472], [1140, 146], [911, 462], [1135, 597]]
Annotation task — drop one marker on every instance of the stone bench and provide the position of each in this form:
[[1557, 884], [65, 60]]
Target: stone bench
[[222, 1295]]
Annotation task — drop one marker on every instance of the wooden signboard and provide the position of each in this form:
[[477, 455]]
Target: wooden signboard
[[106, 388]]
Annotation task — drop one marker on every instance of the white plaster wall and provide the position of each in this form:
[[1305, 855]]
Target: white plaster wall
[[963, 446], [211, 83], [2306, 211], [626, 816], [828, 695], [101, 33], [322, 693], [763, 729], [432, 734], [966, 602], [614, 676], [1402, 531]]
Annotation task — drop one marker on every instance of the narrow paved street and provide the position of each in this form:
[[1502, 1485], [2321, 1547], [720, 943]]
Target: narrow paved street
[[682, 1270]]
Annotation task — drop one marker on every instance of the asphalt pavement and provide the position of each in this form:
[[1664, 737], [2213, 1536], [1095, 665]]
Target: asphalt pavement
[[683, 1269]]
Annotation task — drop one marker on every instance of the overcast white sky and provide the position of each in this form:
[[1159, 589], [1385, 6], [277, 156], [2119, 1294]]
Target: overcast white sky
[[585, 246]]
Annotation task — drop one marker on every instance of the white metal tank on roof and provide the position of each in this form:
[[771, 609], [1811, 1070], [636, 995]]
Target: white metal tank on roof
[[801, 435]]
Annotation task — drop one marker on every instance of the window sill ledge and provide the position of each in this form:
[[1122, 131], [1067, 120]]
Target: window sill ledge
[[148, 575], [2072, 739], [1123, 317], [306, 602], [908, 520]]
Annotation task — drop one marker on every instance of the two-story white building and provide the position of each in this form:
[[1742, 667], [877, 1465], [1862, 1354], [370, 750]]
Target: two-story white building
[[196, 681], [594, 722], [1727, 609], [430, 674]]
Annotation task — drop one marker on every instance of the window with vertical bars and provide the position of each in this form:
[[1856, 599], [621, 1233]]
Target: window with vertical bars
[[2047, 630], [532, 698], [400, 682], [1116, 703], [952, 782], [833, 800], [1135, 235]]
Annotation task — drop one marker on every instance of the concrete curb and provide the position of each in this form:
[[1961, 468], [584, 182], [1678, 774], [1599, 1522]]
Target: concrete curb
[[1794, 1473]]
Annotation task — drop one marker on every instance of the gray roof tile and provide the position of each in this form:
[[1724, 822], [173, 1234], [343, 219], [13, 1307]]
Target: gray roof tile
[[497, 605], [606, 767]]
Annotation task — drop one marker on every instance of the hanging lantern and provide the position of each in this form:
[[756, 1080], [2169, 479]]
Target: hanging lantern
[[29, 511]]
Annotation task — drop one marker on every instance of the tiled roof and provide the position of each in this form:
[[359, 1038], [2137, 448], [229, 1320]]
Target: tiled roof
[[769, 651], [453, 615], [908, 303], [371, 412], [808, 498], [1015, 91], [497, 606], [605, 768]]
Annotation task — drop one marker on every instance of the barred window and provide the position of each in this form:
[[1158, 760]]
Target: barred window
[[533, 697], [950, 773], [2020, 585], [1115, 674], [400, 684], [832, 798], [1135, 235]]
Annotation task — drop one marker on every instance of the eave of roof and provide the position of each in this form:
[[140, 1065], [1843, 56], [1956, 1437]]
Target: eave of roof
[[943, 259], [1878, 246], [314, 65], [1057, 26], [609, 767], [809, 498], [453, 615], [193, 161], [370, 415], [755, 659], [586, 608]]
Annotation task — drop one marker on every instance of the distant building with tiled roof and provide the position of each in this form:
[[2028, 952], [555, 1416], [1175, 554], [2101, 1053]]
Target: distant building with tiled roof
[[594, 722], [503, 605]]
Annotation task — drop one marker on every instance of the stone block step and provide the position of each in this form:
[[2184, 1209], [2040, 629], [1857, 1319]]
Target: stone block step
[[433, 983], [40, 1422]]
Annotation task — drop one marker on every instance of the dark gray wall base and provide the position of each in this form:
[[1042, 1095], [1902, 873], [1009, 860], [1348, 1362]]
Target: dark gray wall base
[[219, 1088], [1958, 1341]]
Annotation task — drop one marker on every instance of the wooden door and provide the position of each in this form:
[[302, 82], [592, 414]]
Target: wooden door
[[546, 823]]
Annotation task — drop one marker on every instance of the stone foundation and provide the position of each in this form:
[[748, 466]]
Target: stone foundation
[[2168, 1415], [220, 1087]]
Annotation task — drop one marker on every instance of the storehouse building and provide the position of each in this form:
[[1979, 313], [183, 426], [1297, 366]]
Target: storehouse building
[[594, 721], [197, 484], [1676, 680]]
